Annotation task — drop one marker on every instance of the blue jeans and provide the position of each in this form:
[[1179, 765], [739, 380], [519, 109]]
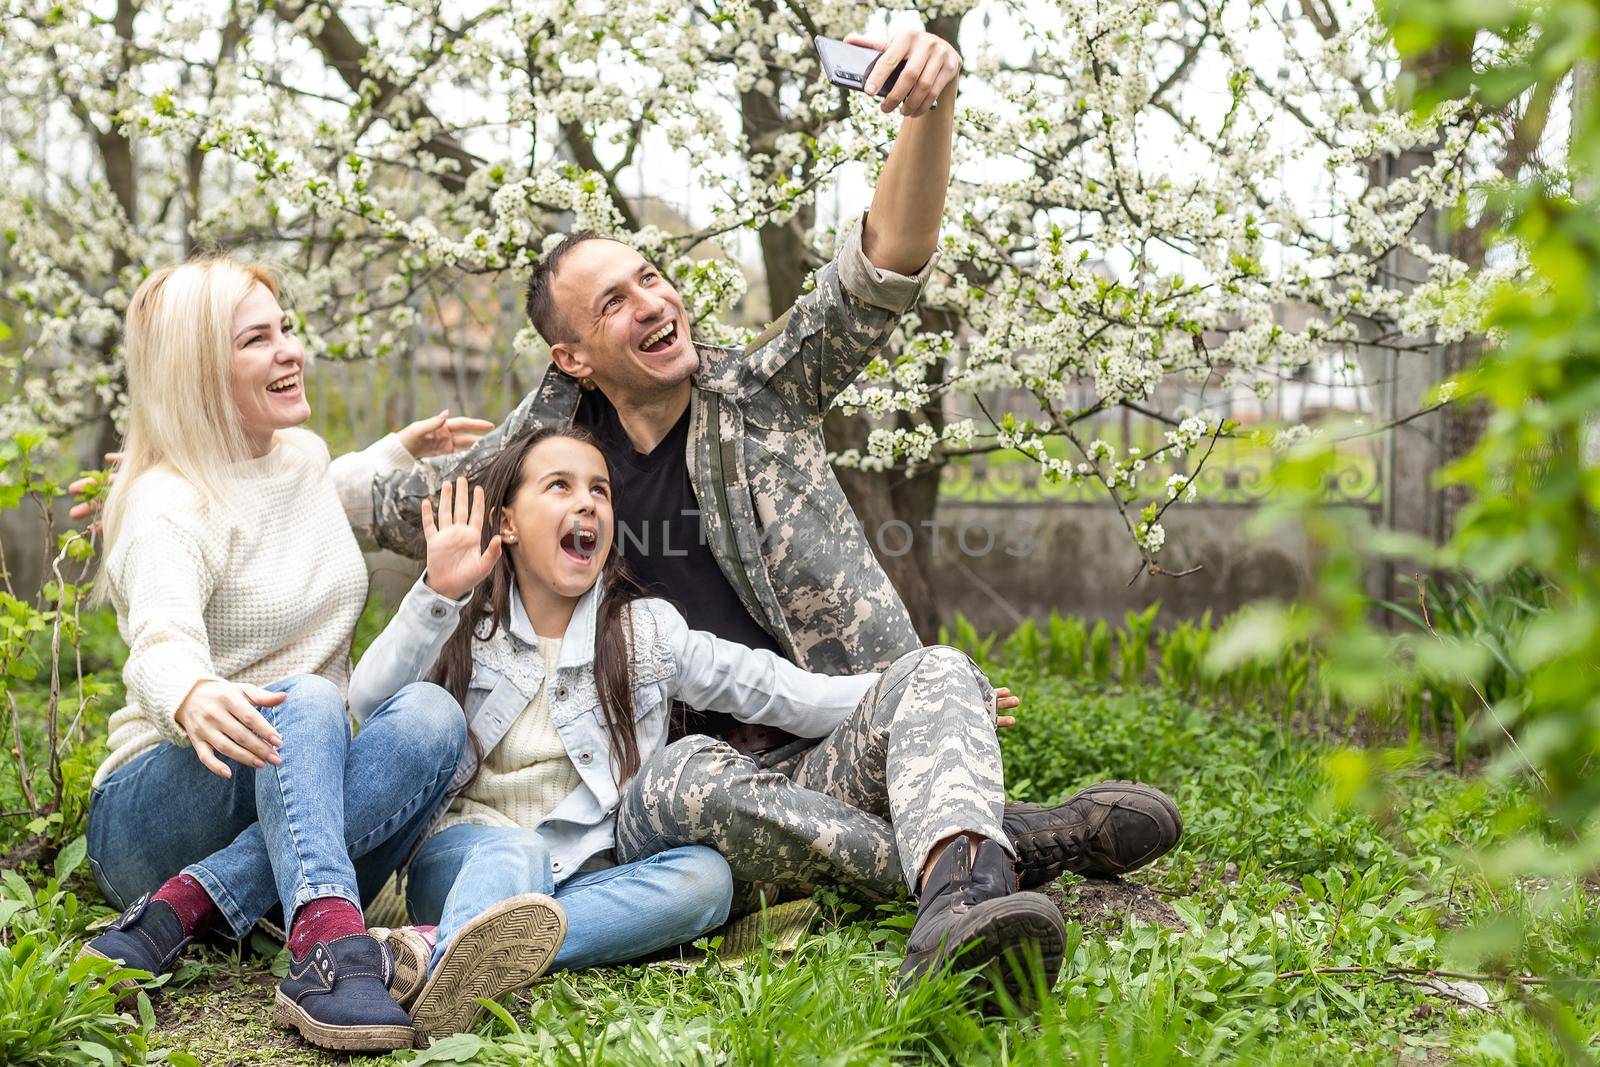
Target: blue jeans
[[334, 819], [612, 915]]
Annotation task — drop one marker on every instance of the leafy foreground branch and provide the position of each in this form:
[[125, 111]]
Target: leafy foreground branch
[[1529, 531], [49, 696]]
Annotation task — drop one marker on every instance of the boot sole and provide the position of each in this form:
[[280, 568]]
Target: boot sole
[[410, 953], [291, 1016], [996, 942], [507, 947]]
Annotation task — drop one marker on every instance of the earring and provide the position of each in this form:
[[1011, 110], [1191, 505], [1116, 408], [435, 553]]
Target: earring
[[508, 539], [586, 384]]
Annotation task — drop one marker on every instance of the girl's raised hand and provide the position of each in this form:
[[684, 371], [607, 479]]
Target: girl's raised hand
[[457, 557]]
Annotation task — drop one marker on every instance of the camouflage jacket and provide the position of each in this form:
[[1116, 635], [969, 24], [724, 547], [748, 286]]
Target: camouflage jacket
[[775, 516]]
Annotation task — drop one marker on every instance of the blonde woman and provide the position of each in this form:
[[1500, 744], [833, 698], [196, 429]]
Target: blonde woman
[[233, 782]]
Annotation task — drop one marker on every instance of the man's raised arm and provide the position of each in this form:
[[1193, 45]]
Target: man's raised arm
[[833, 331], [902, 229]]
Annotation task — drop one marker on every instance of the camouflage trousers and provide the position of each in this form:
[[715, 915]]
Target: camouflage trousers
[[915, 762]]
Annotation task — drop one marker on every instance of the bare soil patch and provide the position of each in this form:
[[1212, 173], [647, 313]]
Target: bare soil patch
[[1108, 903]]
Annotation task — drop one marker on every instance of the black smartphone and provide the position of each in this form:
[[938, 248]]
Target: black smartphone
[[848, 65]]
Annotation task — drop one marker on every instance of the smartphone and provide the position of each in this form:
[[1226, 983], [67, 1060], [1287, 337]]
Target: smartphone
[[848, 65]]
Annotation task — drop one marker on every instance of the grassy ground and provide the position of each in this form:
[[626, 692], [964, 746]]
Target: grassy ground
[[1287, 928]]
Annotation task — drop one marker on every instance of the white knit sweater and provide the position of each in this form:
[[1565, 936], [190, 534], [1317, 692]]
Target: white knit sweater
[[528, 773], [264, 588]]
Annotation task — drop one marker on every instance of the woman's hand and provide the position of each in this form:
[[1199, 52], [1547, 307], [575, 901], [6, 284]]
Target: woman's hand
[[442, 435], [457, 557], [1004, 701], [223, 719], [93, 487]]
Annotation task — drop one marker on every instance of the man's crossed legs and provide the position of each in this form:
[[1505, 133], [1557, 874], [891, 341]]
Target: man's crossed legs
[[915, 766]]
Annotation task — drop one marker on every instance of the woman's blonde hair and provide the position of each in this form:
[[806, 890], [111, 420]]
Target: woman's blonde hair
[[178, 351]]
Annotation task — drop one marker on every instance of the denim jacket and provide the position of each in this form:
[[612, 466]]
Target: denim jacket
[[669, 662]]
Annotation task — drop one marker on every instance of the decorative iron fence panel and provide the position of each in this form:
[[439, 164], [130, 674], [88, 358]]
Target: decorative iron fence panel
[[1351, 397]]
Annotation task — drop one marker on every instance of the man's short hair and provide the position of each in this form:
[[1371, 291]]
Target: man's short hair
[[541, 302]]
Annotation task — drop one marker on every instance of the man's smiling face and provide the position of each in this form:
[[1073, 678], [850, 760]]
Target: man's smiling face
[[626, 326]]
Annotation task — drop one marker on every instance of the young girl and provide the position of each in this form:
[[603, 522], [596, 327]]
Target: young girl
[[233, 783], [567, 678]]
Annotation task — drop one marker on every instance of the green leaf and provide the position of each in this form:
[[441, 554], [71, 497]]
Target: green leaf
[[457, 1048], [97, 1052], [498, 1010], [1498, 1046], [1255, 633], [70, 858]]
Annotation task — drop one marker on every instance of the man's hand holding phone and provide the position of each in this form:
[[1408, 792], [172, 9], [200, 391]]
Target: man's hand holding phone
[[911, 72]]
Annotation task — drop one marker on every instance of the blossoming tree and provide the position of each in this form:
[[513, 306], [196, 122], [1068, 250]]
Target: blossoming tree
[[1139, 184]]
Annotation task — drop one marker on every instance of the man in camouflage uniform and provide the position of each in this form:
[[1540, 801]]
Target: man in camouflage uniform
[[770, 554]]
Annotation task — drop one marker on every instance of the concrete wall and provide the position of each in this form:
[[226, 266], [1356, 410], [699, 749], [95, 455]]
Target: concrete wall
[[22, 537], [1078, 560]]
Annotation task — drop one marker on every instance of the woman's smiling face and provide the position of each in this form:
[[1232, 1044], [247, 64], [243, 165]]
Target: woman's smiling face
[[558, 526], [267, 369]]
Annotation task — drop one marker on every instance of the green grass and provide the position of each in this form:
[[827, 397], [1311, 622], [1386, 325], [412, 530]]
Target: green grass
[[1273, 877], [1292, 864]]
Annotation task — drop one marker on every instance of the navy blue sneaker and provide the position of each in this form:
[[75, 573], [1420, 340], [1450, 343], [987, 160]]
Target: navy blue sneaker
[[337, 997], [147, 937]]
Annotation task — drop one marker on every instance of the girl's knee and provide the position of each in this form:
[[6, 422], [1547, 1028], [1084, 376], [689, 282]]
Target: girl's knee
[[431, 720], [705, 883]]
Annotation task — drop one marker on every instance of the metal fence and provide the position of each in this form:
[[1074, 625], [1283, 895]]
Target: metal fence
[[1351, 397]]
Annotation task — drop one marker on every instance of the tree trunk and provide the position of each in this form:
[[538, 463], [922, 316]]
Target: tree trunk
[[116, 159]]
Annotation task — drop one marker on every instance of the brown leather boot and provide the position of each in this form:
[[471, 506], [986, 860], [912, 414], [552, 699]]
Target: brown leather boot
[[1107, 829]]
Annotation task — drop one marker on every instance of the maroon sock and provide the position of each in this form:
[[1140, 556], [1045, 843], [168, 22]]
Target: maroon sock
[[324, 919], [192, 903]]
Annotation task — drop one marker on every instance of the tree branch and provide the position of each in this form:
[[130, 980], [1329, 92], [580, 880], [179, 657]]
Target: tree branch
[[344, 52], [583, 153]]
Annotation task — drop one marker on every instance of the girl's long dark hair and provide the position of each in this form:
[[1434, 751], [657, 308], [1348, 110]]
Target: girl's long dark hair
[[490, 607]]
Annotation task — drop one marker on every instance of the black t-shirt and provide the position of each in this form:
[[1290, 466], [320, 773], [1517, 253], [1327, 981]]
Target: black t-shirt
[[660, 536]]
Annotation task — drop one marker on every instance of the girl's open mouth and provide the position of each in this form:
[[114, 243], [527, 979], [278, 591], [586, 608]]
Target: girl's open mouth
[[579, 545]]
